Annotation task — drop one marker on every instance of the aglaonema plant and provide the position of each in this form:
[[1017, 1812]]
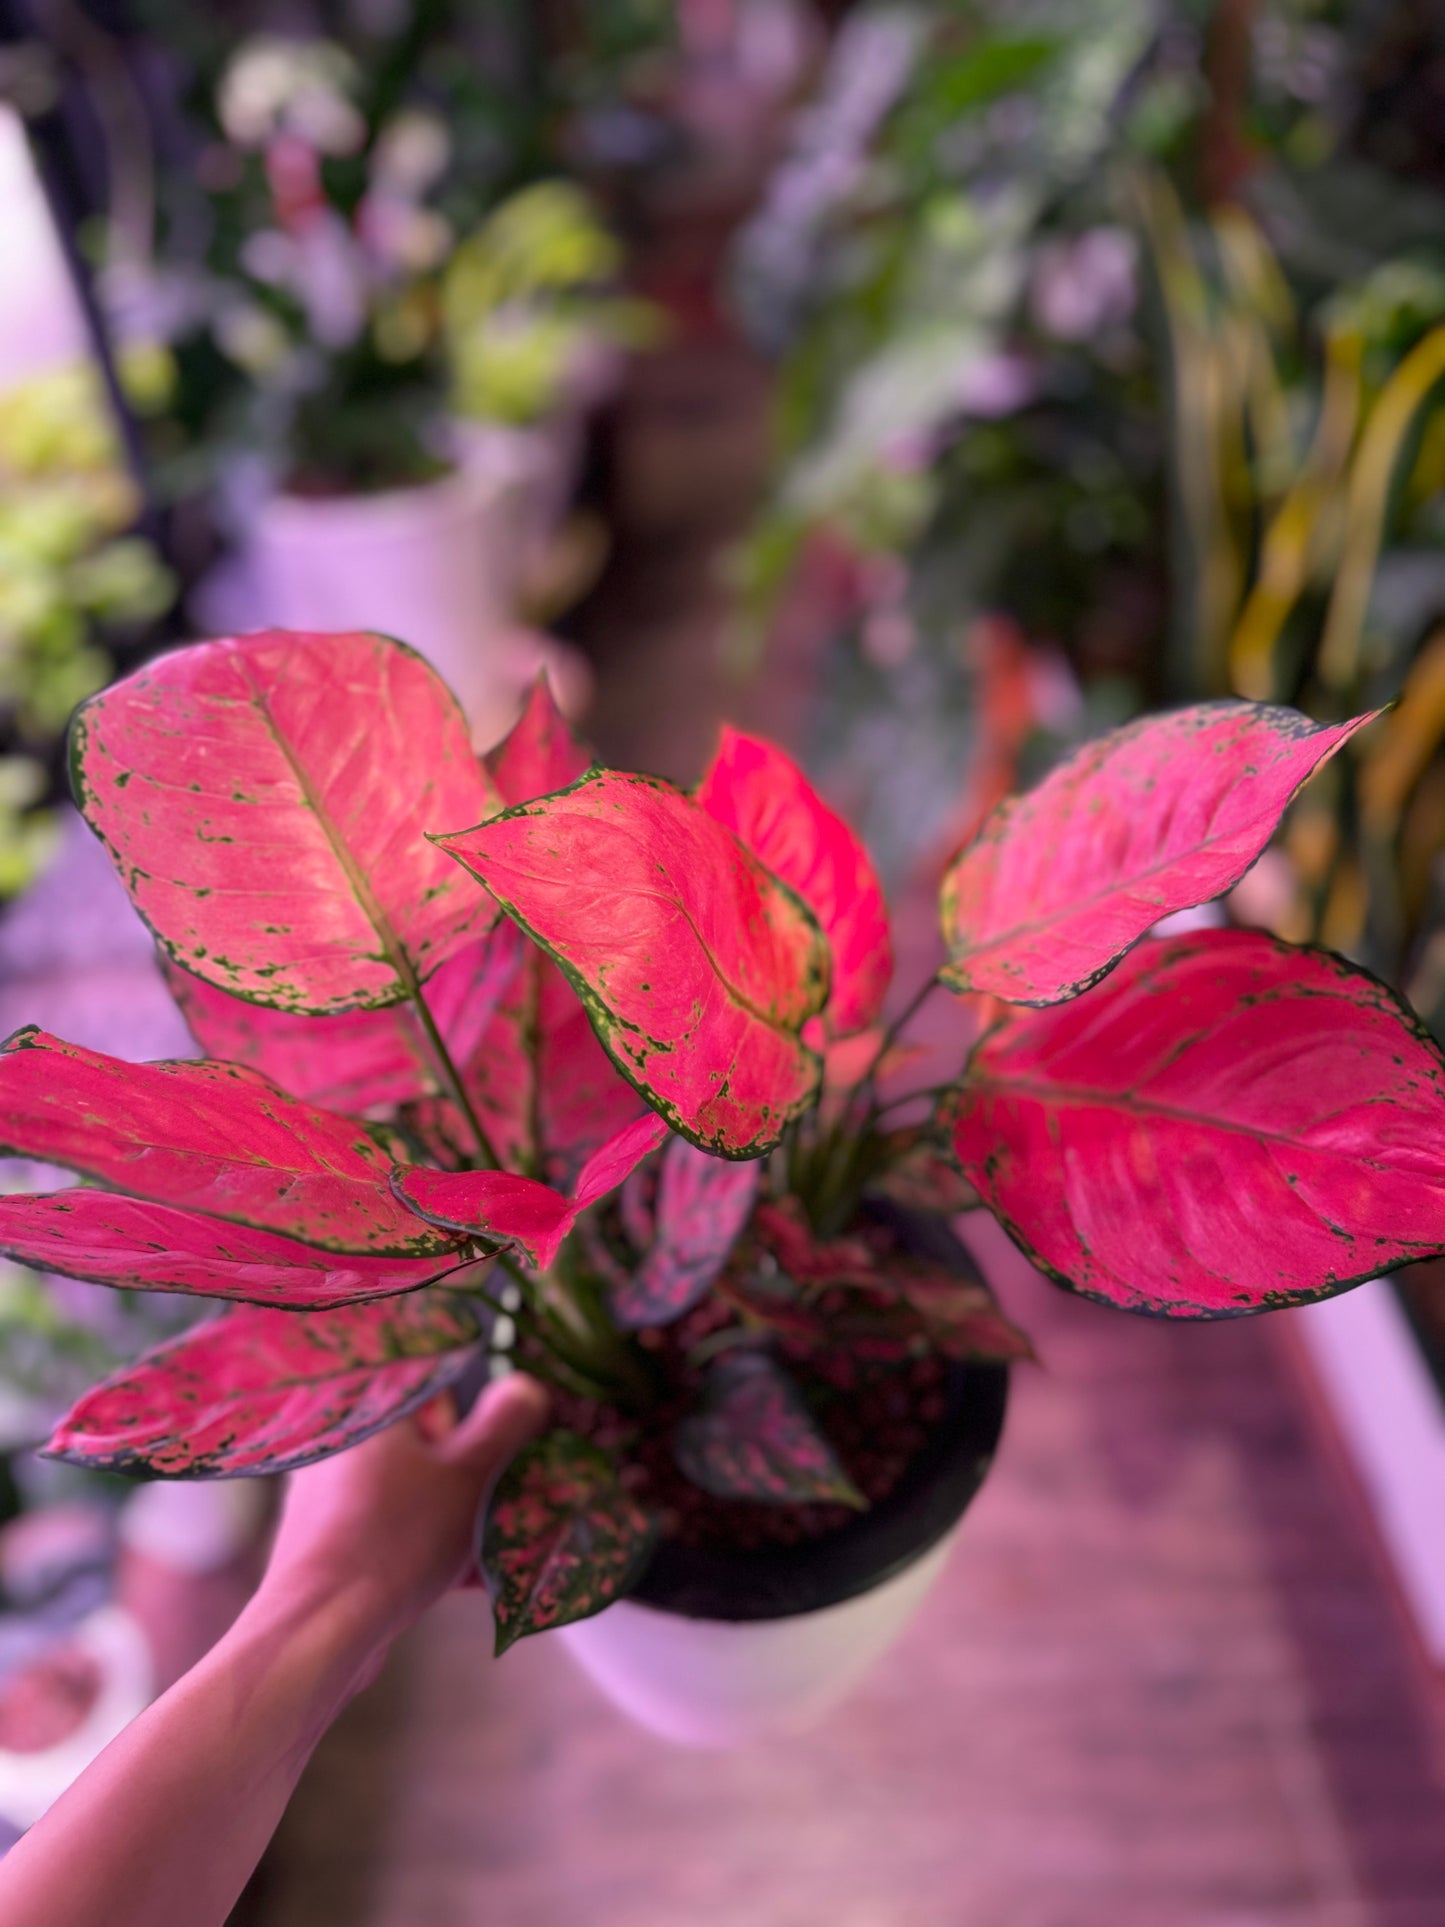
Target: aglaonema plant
[[527, 1055]]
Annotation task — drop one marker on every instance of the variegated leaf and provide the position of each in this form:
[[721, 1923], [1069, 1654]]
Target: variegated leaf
[[113, 1240], [213, 1138], [753, 1437], [264, 799], [702, 1207], [1161, 815], [762, 796], [697, 968], [562, 1538], [268, 1391], [1227, 1125]]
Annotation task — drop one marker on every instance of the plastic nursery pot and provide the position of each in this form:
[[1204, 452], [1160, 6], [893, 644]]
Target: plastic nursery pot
[[720, 1646]]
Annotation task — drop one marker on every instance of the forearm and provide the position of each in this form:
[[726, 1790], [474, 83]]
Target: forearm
[[207, 1770]]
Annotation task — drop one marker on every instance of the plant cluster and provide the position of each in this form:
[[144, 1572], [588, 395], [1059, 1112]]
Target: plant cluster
[[526, 1054], [303, 262], [74, 576]]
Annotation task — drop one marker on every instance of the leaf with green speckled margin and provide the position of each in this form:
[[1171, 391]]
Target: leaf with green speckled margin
[[363, 1059], [762, 796], [753, 1437], [501, 1208], [698, 968], [1159, 816], [260, 1391], [133, 1245], [1227, 1125], [562, 1538], [264, 799], [212, 1138]]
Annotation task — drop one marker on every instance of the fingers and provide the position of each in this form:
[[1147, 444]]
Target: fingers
[[509, 1413]]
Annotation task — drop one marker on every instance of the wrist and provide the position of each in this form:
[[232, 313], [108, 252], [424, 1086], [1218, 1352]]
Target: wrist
[[338, 1631]]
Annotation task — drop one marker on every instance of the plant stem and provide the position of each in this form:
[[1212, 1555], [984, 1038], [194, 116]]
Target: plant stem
[[896, 1029], [450, 1072]]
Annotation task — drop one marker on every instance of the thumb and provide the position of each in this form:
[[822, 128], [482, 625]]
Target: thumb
[[509, 1413]]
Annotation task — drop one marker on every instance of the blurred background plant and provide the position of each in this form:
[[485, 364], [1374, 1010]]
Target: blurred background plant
[[307, 256], [1113, 322], [75, 578]]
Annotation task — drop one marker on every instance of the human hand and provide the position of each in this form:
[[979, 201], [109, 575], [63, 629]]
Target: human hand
[[383, 1530]]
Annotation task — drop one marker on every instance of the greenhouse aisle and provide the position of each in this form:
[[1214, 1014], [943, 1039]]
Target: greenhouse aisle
[[1163, 1682]]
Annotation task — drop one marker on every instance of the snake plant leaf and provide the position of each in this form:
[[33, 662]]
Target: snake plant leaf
[[267, 1391], [540, 753], [1161, 815], [702, 1207], [697, 968], [110, 1239], [562, 1538], [761, 795], [500, 1207], [362, 1059], [753, 1437], [264, 799], [213, 1138], [1227, 1125]]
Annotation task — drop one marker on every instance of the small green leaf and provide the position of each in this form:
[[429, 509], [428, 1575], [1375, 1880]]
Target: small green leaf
[[562, 1538], [754, 1438]]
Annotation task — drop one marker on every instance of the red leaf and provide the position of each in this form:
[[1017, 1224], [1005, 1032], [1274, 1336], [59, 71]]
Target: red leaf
[[502, 1207], [562, 1539], [264, 799], [697, 968], [754, 1438], [208, 1137], [268, 1391], [1151, 819], [540, 754], [363, 1059], [1226, 1126], [703, 1205], [758, 793], [114, 1240], [785, 1232], [956, 1315]]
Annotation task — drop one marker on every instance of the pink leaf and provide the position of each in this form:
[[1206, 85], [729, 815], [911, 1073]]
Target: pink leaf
[[114, 1240], [786, 1233], [506, 1209], [759, 794], [1226, 1126], [563, 1538], [697, 968], [703, 1205], [264, 800], [540, 754], [363, 1059], [209, 1137], [268, 1391], [754, 1438], [1156, 817]]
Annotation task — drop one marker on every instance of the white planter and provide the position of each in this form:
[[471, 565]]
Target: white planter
[[726, 1683], [435, 565], [725, 1646]]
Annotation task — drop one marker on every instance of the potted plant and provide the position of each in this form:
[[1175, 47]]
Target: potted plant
[[526, 1057], [355, 275]]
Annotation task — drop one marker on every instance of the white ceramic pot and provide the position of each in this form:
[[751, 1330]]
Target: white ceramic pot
[[435, 565], [723, 1646], [726, 1683]]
